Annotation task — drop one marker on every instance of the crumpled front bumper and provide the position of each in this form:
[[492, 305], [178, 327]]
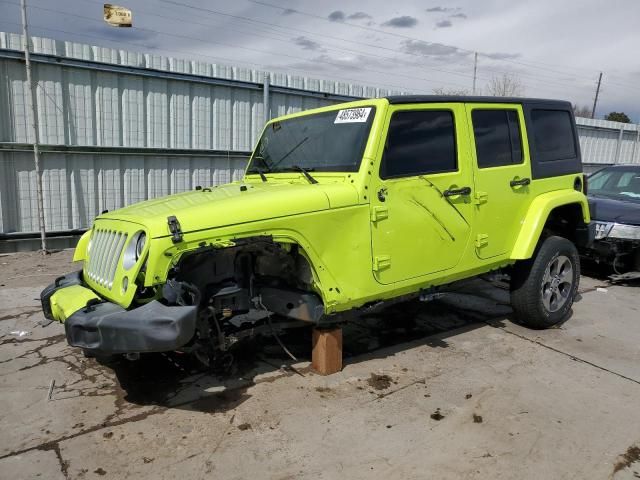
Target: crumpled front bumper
[[106, 328]]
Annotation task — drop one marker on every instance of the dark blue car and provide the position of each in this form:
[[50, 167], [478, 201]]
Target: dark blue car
[[614, 200]]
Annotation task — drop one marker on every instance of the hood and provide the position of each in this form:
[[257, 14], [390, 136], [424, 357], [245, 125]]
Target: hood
[[233, 204], [613, 210]]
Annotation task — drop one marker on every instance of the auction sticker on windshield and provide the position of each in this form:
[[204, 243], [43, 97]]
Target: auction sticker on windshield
[[353, 115]]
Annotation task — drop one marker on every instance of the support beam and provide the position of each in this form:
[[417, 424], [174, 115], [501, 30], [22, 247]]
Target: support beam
[[265, 98], [326, 356]]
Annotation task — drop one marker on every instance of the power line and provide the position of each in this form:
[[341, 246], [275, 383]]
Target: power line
[[535, 78], [279, 54], [286, 40], [215, 12], [341, 47], [230, 60], [394, 34]]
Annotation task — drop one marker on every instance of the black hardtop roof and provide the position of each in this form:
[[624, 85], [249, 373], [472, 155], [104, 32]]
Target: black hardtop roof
[[399, 99]]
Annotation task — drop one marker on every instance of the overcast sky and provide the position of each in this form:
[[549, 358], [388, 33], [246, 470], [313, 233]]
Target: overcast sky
[[555, 48]]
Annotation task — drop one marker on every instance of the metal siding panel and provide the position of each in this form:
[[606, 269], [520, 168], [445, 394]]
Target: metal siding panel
[[179, 115], [18, 104], [133, 179], [55, 193], [201, 171], [241, 129], [50, 105], [180, 174], [26, 192], [107, 110], [109, 182], [222, 118], [79, 118], [133, 115], [201, 131], [83, 186], [157, 113], [157, 176], [626, 147]]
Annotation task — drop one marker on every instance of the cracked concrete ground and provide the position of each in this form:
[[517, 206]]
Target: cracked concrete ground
[[448, 389]]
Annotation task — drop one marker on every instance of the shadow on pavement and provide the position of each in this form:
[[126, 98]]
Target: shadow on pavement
[[177, 381]]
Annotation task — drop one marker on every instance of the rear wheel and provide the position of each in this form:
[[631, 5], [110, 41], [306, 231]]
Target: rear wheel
[[543, 288]]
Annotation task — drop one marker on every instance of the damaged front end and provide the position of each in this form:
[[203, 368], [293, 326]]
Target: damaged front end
[[210, 298], [617, 245]]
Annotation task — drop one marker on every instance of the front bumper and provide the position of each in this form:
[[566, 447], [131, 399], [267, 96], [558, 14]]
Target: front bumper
[[106, 328]]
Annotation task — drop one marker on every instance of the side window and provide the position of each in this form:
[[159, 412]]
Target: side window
[[497, 136], [419, 142], [553, 134]]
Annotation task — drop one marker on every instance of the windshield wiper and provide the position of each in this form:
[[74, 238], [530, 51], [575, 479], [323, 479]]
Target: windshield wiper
[[289, 152], [303, 171], [259, 172]]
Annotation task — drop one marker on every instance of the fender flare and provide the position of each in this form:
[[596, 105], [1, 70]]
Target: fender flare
[[536, 217], [80, 253]]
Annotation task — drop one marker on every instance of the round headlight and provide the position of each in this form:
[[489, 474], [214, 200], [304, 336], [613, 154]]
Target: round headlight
[[142, 238], [134, 250]]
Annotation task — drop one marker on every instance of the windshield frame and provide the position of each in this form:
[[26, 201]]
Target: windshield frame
[[255, 166]]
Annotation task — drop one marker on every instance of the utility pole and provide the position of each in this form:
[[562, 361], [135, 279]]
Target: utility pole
[[475, 70], [595, 100], [31, 98]]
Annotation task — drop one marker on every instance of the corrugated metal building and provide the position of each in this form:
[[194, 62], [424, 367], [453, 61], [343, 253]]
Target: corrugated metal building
[[117, 127]]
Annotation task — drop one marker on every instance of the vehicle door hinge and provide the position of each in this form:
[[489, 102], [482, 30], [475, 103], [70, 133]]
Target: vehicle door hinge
[[482, 240], [379, 213], [480, 197], [381, 262], [174, 228]]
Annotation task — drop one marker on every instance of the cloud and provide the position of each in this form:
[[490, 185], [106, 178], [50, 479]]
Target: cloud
[[307, 44], [401, 22], [336, 16], [444, 24], [417, 47], [359, 16], [458, 15], [440, 9], [501, 56]]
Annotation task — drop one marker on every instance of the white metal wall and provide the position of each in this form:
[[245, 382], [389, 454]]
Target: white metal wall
[[120, 112], [78, 187], [85, 107], [605, 142]]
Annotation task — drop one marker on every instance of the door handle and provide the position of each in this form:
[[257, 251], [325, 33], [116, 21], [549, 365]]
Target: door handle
[[452, 192], [523, 182]]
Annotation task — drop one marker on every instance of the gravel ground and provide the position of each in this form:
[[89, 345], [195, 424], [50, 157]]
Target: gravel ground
[[447, 389]]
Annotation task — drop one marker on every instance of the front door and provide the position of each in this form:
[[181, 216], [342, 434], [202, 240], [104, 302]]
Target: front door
[[421, 205], [502, 175]]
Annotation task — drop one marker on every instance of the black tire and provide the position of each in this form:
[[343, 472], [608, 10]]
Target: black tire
[[543, 289]]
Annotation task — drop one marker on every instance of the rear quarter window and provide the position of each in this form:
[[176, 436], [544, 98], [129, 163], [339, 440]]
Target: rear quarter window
[[553, 135]]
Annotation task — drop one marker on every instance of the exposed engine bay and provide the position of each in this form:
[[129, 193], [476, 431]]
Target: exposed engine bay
[[256, 286]]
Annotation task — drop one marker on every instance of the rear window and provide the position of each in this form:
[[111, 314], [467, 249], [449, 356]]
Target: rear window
[[553, 135], [497, 136]]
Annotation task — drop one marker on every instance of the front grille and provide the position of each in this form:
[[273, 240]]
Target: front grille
[[104, 254]]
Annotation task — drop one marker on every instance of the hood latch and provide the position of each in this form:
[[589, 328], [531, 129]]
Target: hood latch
[[174, 228]]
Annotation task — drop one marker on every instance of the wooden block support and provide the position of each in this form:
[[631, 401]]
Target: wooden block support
[[326, 356]]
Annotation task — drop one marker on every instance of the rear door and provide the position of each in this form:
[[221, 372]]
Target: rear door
[[502, 175]]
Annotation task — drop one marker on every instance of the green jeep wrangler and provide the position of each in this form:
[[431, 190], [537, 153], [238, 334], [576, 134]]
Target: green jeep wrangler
[[341, 210]]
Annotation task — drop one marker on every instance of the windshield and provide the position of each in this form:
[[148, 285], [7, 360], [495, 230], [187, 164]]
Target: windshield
[[622, 183], [330, 141]]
